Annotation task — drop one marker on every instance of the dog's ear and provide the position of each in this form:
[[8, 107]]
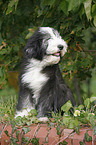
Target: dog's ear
[[34, 51], [34, 47], [28, 52]]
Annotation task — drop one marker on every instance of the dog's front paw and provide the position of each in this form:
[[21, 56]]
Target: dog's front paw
[[43, 119]]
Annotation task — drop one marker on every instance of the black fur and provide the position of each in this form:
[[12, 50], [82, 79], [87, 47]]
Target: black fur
[[34, 47], [55, 92]]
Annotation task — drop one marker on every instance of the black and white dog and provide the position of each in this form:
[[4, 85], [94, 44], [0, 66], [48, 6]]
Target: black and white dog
[[41, 83]]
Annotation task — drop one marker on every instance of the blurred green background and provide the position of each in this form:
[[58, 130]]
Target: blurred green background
[[76, 22]]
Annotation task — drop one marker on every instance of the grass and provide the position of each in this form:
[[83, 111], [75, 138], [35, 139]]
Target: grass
[[8, 99], [7, 91]]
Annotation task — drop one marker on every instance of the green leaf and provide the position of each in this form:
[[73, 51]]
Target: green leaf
[[48, 2], [9, 10], [92, 99], [66, 120], [17, 134], [6, 132], [77, 129], [26, 129], [87, 103], [94, 21], [14, 140], [64, 7], [35, 141], [58, 130], [94, 10], [11, 5], [19, 121], [29, 35], [80, 107], [87, 137], [71, 124], [14, 129], [91, 118], [66, 106], [87, 6], [31, 31], [63, 143], [81, 143], [76, 122], [33, 112], [16, 3], [73, 4]]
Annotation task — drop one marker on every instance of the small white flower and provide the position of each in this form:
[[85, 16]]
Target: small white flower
[[92, 114], [77, 113]]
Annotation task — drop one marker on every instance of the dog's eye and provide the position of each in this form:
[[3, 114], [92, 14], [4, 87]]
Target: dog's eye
[[46, 40]]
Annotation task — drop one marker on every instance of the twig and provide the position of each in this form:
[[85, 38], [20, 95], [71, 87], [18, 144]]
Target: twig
[[36, 130], [64, 138]]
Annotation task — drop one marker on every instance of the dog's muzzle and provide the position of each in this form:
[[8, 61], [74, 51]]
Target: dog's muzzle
[[60, 47]]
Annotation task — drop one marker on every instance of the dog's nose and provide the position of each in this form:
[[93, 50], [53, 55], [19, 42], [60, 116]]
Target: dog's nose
[[60, 47]]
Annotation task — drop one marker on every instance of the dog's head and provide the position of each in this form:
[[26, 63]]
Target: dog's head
[[46, 44]]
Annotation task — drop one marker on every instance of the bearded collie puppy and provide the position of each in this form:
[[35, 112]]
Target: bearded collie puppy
[[41, 84]]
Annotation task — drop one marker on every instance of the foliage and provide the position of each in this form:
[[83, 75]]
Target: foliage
[[73, 118], [7, 109], [28, 120], [71, 18], [87, 138], [21, 133], [82, 114]]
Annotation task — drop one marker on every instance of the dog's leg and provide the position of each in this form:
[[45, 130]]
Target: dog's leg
[[63, 91], [65, 94], [25, 104], [41, 113], [44, 108]]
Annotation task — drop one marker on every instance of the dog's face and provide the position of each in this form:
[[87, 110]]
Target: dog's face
[[46, 45]]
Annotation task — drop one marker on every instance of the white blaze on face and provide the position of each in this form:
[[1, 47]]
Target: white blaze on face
[[53, 52]]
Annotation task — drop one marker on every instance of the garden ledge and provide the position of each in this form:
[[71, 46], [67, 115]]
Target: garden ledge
[[48, 135]]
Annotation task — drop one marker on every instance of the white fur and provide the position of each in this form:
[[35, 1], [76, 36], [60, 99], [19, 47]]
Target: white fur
[[33, 75], [53, 45], [23, 113], [54, 41], [49, 60]]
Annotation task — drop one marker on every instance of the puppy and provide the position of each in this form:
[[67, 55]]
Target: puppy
[[41, 84]]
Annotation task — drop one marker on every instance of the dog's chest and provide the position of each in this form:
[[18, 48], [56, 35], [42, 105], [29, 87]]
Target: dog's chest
[[34, 79]]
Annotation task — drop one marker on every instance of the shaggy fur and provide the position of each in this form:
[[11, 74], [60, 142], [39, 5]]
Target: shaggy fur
[[40, 81]]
